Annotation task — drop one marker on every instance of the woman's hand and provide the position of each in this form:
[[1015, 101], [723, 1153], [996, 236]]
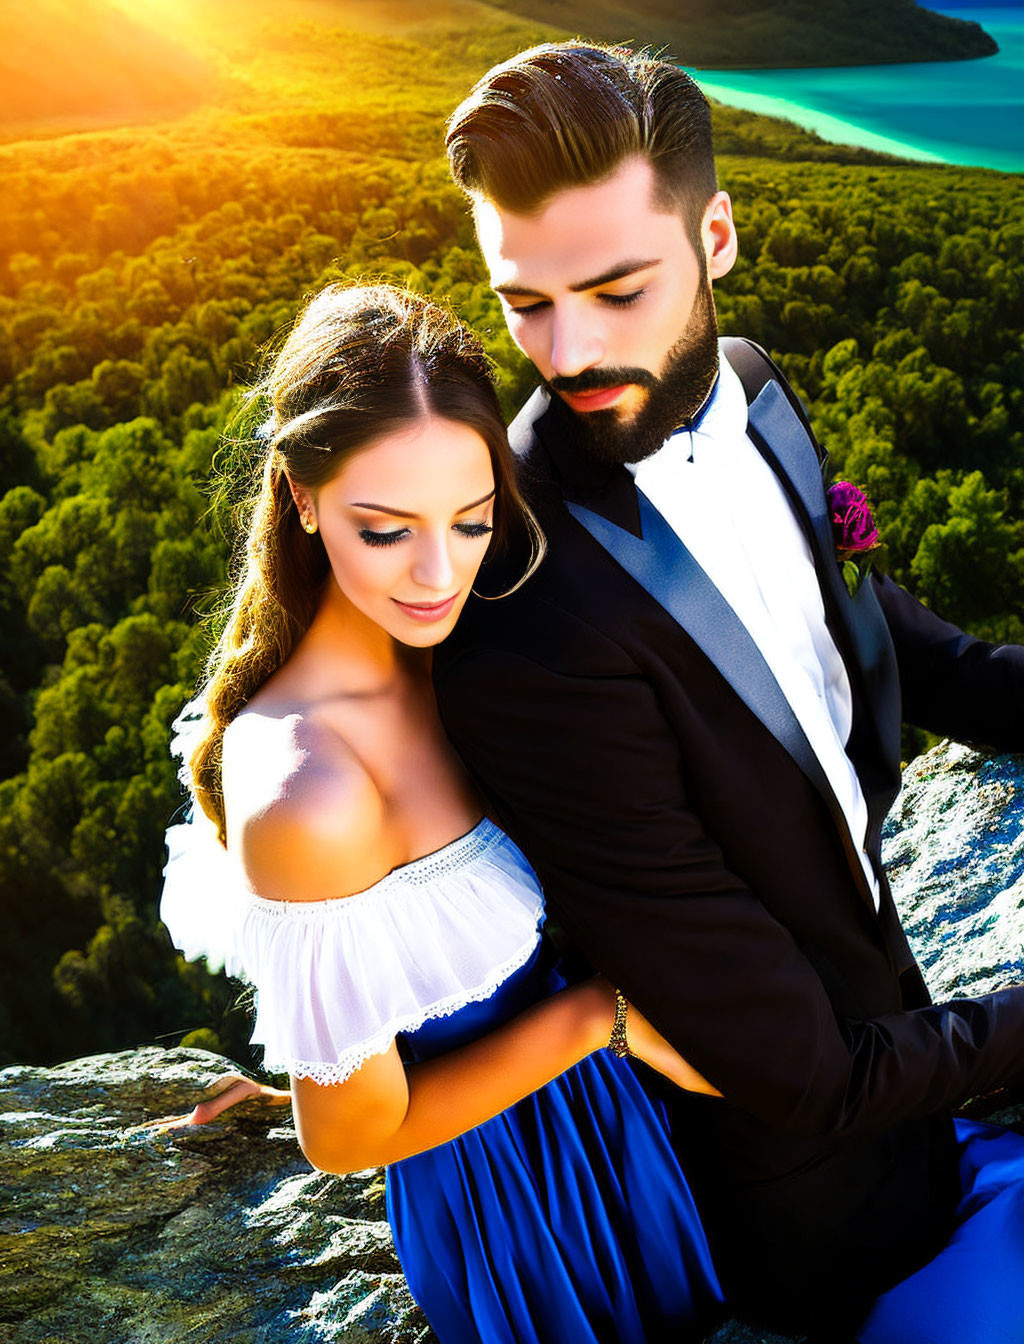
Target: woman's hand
[[224, 1092], [650, 1046]]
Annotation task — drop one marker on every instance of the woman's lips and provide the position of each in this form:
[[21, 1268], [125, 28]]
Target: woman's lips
[[595, 401], [427, 611]]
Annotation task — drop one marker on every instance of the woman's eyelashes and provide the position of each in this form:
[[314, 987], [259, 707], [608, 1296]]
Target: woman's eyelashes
[[372, 538]]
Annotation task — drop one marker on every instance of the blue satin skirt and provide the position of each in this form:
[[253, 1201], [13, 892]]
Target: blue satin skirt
[[972, 1292], [565, 1218]]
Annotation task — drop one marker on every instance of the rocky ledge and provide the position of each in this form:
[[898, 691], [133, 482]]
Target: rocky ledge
[[114, 1233]]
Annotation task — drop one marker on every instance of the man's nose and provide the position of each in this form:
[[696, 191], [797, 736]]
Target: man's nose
[[432, 567], [576, 344]]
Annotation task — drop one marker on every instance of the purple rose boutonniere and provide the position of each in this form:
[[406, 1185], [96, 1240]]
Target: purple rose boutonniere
[[854, 530]]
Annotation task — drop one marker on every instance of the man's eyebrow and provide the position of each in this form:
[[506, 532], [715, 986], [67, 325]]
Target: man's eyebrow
[[608, 277], [401, 513]]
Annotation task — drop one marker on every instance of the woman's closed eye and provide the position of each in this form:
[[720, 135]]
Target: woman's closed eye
[[374, 538]]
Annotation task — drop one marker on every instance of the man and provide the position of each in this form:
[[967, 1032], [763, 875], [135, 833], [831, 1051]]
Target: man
[[690, 724]]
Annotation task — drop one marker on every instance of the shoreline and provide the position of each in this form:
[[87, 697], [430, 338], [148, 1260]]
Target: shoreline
[[901, 108], [834, 129]]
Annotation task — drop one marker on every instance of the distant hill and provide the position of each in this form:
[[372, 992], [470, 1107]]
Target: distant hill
[[83, 59], [724, 34], [976, 4]]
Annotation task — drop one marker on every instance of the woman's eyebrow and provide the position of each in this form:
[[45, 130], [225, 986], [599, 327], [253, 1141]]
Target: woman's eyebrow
[[401, 513]]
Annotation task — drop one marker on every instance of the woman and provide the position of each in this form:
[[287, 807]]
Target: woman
[[391, 931]]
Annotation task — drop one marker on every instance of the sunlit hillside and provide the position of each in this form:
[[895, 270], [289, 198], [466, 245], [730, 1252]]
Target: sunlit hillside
[[112, 62], [67, 64], [147, 258]]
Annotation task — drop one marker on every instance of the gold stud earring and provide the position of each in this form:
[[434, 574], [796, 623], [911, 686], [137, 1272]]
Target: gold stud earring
[[308, 523]]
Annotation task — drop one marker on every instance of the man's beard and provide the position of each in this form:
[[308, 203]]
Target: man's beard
[[673, 400]]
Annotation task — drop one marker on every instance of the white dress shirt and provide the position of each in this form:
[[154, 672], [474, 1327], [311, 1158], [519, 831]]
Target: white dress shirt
[[726, 505]]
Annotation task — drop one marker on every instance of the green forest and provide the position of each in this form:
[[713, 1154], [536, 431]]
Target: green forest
[[144, 266]]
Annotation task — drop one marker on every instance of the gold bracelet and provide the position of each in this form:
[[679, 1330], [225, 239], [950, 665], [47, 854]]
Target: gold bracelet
[[618, 1042]]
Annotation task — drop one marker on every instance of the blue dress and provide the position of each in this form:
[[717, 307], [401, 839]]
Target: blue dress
[[565, 1218], [972, 1291]]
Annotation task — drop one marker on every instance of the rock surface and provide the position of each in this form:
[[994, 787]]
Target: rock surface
[[954, 849], [222, 1234], [215, 1234]]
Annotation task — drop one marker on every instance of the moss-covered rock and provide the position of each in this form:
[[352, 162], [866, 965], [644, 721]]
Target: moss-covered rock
[[116, 1234]]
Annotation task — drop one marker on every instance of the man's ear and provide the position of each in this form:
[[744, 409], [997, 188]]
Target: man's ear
[[721, 246]]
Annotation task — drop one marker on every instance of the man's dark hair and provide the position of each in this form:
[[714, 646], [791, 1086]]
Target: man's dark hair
[[567, 114]]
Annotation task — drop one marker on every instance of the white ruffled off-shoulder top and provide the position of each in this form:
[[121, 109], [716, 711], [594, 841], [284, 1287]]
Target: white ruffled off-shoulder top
[[337, 980]]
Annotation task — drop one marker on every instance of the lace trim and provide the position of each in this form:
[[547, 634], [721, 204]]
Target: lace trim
[[458, 853], [351, 1060]]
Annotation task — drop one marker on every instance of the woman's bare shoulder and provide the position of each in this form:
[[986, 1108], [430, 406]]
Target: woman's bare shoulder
[[304, 815]]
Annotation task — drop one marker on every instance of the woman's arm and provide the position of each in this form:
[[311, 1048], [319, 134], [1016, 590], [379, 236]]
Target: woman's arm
[[387, 1111], [444, 1097]]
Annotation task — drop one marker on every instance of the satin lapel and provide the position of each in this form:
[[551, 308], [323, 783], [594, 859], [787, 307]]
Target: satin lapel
[[662, 565], [782, 440]]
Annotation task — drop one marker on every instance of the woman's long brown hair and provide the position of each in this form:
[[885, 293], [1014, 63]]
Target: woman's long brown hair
[[358, 364]]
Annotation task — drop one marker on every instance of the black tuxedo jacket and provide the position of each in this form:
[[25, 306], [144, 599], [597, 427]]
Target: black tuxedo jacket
[[633, 742]]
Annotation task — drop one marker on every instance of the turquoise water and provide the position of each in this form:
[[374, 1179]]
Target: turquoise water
[[969, 112]]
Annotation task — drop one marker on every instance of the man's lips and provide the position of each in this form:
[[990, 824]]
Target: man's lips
[[427, 611], [596, 400]]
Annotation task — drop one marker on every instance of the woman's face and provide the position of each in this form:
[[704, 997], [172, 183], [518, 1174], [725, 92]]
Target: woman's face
[[406, 524]]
